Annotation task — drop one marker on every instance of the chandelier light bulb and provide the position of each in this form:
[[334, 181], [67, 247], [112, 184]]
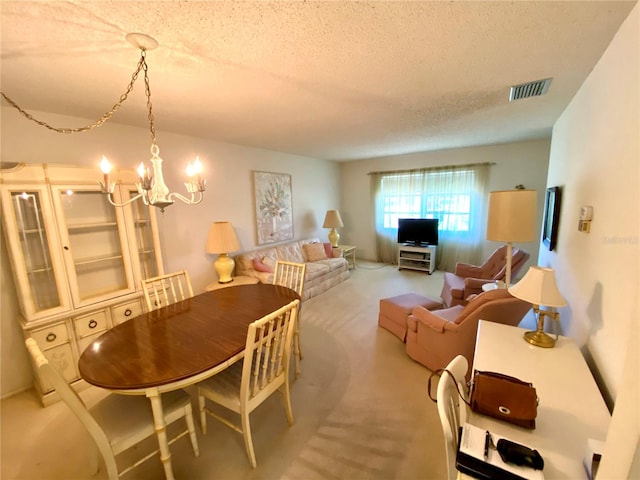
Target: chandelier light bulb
[[106, 185], [105, 166], [145, 178], [194, 168], [197, 166]]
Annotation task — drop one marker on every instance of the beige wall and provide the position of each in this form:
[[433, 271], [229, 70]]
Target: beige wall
[[595, 157], [183, 229], [515, 163]]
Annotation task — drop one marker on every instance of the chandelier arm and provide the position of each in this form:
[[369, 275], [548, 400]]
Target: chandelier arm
[[124, 204], [188, 201], [98, 123]]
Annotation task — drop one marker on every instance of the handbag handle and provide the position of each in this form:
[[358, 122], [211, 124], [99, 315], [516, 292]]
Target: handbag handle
[[502, 376], [438, 373]]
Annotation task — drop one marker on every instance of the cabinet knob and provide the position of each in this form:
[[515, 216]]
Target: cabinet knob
[[93, 324], [66, 248], [127, 312], [51, 337]]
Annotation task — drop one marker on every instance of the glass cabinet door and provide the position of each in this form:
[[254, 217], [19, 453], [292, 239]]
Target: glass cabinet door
[[34, 248], [146, 238], [95, 244]]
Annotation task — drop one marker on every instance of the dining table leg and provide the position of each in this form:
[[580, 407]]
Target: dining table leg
[[161, 431]]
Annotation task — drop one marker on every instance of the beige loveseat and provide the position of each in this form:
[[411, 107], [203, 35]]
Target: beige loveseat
[[322, 272]]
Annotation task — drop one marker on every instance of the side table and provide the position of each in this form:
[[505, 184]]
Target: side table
[[493, 286], [239, 280], [349, 253]]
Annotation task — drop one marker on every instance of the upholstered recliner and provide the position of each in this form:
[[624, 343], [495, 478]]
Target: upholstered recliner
[[469, 279], [434, 338]]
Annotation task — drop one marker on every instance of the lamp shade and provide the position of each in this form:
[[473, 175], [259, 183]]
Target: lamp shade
[[222, 238], [539, 287], [332, 219], [512, 216]]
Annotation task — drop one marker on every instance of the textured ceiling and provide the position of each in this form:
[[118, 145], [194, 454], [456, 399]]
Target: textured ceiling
[[329, 79]]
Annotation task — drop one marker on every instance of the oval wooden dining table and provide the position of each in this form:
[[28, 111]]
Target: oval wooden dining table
[[178, 345]]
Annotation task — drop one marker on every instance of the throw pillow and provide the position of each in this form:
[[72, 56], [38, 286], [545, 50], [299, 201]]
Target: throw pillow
[[270, 263], [261, 267], [328, 250], [314, 252]]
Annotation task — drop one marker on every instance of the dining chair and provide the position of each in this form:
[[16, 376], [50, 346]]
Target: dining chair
[[117, 422], [452, 409], [166, 289], [247, 383], [291, 275]]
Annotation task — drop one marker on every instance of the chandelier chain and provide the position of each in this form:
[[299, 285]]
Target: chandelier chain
[[142, 64], [147, 91]]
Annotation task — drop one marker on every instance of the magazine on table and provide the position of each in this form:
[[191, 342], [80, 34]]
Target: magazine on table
[[478, 456]]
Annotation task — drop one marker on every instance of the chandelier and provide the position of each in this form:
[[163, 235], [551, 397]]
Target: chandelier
[[151, 186]]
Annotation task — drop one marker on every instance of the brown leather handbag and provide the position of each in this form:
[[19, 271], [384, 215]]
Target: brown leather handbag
[[505, 398]]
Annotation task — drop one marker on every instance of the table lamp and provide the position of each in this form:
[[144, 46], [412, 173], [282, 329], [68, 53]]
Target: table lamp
[[539, 287], [512, 218], [222, 240], [332, 220]]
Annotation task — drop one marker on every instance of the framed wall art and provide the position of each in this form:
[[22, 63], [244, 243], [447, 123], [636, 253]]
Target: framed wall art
[[274, 214], [551, 217]]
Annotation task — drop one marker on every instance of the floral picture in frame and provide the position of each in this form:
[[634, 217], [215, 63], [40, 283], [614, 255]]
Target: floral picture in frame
[[551, 217], [274, 214]]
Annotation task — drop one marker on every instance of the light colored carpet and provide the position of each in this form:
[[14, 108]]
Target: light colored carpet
[[360, 406]]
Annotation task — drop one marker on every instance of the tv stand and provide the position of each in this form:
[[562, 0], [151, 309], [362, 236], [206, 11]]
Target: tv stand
[[414, 257]]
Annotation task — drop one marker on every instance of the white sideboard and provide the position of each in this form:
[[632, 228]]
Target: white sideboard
[[571, 409], [77, 261]]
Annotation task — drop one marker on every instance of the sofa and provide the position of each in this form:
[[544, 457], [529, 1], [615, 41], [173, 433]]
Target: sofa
[[325, 265]]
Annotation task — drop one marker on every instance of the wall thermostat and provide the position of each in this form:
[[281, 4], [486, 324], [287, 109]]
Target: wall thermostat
[[586, 213], [584, 219]]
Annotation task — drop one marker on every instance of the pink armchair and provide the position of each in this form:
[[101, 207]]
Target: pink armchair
[[434, 338], [469, 279]]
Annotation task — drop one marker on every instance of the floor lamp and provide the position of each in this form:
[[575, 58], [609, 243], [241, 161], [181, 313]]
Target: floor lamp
[[512, 218]]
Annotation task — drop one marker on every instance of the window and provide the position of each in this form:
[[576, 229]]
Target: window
[[454, 195], [405, 196]]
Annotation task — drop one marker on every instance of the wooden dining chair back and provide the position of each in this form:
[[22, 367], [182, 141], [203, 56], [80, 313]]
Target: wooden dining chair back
[[166, 289], [264, 370], [117, 422], [452, 409], [291, 275]]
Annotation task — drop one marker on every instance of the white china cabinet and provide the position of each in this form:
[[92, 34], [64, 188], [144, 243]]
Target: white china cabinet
[[77, 260]]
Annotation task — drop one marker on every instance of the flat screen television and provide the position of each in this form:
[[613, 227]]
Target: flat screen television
[[418, 231]]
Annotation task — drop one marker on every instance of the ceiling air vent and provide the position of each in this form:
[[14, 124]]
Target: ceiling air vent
[[531, 89]]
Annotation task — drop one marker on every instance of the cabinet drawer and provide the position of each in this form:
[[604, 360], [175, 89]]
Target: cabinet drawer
[[52, 336], [91, 324], [126, 311], [84, 342]]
